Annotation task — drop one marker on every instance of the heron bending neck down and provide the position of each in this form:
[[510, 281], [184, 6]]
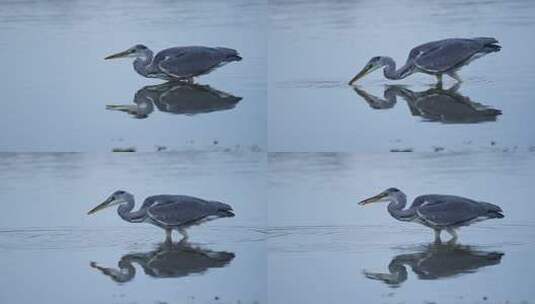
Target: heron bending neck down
[[439, 57], [436, 211], [389, 70], [169, 212]]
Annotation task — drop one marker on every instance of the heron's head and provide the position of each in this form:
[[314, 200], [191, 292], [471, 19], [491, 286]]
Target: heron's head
[[137, 50], [116, 198], [372, 65], [223, 210], [382, 197]]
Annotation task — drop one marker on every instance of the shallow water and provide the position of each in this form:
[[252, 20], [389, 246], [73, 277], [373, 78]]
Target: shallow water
[[50, 248], [58, 85], [316, 47], [299, 236], [323, 247]]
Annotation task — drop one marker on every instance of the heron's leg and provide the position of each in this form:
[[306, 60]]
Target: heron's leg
[[455, 76], [184, 234], [453, 233], [437, 236], [439, 79], [168, 236]]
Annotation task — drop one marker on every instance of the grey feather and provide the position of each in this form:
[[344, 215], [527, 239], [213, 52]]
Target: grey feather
[[448, 54], [177, 210], [449, 210], [185, 62]]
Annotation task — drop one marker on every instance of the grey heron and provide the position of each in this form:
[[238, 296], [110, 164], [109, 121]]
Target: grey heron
[[177, 98], [170, 212], [434, 105], [437, 58], [436, 261], [436, 211], [178, 63], [167, 261]]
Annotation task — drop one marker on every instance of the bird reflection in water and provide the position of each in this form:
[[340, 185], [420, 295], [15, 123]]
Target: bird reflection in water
[[436, 104], [177, 98], [436, 261], [167, 261]]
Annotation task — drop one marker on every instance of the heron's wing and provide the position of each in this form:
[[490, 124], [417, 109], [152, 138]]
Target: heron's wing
[[188, 61], [448, 210], [174, 210], [444, 55]]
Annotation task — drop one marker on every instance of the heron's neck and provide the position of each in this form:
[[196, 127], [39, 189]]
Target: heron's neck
[[125, 212], [397, 203], [143, 63], [390, 71]]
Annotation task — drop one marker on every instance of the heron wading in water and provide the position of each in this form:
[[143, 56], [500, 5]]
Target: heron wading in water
[[178, 63], [436, 211], [169, 212], [437, 58]]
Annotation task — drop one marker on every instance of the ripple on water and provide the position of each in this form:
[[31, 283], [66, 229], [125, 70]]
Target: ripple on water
[[130, 237]]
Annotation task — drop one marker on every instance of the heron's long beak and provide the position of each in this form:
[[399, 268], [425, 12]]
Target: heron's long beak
[[101, 206], [366, 70], [121, 107], [373, 199], [119, 55]]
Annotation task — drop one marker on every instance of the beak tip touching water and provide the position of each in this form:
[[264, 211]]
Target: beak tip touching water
[[92, 211]]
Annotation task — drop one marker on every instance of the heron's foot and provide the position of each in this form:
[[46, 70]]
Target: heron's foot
[[452, 241]]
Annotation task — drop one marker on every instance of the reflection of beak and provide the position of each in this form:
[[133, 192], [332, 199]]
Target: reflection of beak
[[104, 205], [367, 69], [119, 55], [372, 199]]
